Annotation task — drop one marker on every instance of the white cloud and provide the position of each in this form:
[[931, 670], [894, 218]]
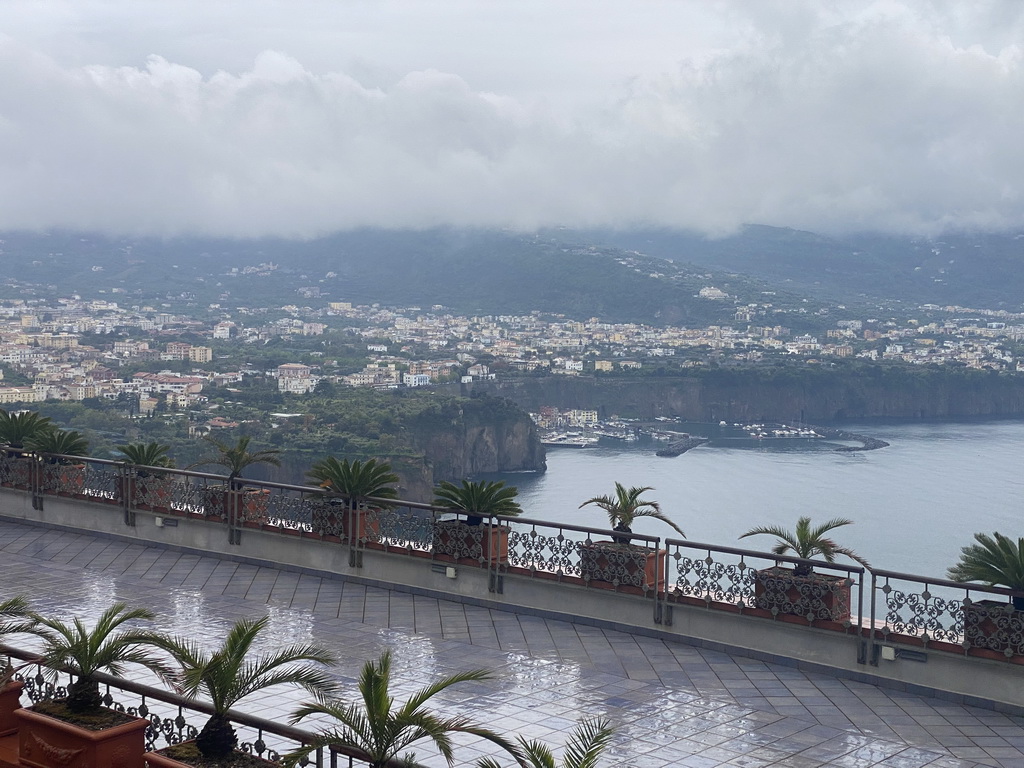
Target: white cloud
[[883, 115]]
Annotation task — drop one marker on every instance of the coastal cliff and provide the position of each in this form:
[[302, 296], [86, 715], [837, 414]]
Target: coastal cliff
[[427, 436], [815, 395], [475, 435]]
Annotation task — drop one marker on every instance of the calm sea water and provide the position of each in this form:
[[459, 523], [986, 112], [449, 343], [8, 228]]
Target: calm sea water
[[915, 503]]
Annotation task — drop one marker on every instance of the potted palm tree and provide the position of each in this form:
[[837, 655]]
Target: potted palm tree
[[145, 486], [379, 733], [79, 727], [251, 503], [229, 674], [14, 618], [619, 562], [997, 561], [799, 591], [61, 473], [471, 541], [16, 430], [584, 748], [356, 481]]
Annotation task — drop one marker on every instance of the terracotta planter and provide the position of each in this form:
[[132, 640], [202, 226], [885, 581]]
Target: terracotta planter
[[816, 596], [64, 479], [19, 472], [623, 565], [362, 524], [10, 700], [251, 504], [46, 742], [158, 760], [473, 544], [149, 491], [994, 626]]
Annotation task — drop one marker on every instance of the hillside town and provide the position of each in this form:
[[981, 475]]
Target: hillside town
[[75, 349]]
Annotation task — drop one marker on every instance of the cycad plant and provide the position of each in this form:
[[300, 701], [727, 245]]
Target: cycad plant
[[478, 499], [17, 429], [229, 674], [808, 541], [995, 560], [15, 617], [151, 454], [584, 748], [385, 733], [237, 458], [67, 442], [356, 480], [625, 505], [107, 647]]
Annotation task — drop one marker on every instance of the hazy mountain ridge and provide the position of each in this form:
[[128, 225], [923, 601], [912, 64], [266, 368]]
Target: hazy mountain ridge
[[969, 269], [472, 272], [618, 276]]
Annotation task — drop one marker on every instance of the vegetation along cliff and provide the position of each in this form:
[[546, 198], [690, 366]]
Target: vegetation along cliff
[[428, 435]]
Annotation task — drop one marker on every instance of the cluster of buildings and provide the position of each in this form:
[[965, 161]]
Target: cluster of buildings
[[60, 350]]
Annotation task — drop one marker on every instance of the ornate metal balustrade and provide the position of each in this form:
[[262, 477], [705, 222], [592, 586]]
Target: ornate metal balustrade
[[946, 615], [595, 557], [934, 613], [174, 719], [774, 586]]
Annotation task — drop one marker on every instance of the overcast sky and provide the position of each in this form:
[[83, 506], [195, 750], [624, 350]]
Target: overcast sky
[[301, 118]]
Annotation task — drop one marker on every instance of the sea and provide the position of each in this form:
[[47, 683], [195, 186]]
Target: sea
[[914, 503]]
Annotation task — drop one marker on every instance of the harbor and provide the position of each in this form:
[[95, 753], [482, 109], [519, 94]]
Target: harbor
[[582, 429]]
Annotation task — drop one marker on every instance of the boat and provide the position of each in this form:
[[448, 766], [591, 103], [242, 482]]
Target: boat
[[567, 441]]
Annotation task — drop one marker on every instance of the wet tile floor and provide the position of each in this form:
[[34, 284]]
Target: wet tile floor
[[671, 704]]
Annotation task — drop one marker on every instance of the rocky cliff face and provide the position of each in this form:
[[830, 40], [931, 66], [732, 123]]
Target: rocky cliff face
[[458, 438], [818, 397]]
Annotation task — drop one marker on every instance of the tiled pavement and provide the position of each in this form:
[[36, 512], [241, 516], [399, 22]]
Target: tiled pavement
[[671, 704]]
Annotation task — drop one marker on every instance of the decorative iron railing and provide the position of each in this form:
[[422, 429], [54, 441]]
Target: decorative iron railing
[[174, 719], [777, 586], [936, 613], [946, 615]]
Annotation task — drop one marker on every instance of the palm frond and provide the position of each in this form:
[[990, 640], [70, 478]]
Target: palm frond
[[995, 560], [484, 497], [375, 727], [806, 541]]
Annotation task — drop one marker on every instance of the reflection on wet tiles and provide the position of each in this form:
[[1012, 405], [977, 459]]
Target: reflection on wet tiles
[[547, 673]]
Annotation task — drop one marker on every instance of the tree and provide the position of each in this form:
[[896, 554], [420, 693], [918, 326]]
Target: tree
[[995, 560], [151, 454], [807, 542], [383, 732], [479, 499], [104, 648], [585, 745], [357, 480], [228, 675], [236, 458], [626, 505], [68, 442]]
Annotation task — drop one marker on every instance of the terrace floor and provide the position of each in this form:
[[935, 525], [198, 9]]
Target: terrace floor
[[671, 704]]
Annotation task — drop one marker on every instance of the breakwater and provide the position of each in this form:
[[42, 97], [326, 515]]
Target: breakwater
[[866, 443], [680, 447]]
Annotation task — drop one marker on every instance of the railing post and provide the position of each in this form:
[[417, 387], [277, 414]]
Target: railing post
[[862, 650], [495, 574], [233, 499], [125, 477], [351, 529], [35, 481], [659, 579], [873, 629]]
